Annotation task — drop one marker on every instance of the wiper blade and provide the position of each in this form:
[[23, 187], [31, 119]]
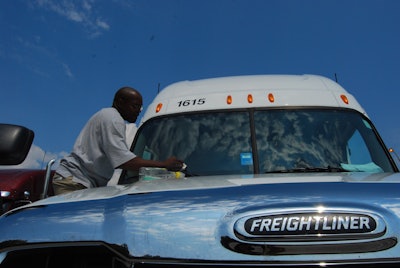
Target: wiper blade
[[188, 174], [309, 169]]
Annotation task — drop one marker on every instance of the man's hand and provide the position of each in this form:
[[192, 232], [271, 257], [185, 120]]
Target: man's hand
[[173, 164]]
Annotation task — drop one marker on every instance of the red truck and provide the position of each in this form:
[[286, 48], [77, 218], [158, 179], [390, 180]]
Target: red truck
[[20, 186]]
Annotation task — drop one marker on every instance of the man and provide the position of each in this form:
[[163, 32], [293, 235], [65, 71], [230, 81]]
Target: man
[[101, 147]]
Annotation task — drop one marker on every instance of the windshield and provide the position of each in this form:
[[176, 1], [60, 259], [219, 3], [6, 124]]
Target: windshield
[[264, 141]]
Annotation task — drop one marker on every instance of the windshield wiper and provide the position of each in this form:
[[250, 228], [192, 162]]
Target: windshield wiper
[[188, 173], [309, 169]]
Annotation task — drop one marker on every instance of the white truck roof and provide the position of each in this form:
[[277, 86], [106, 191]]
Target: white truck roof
[[250, 91]]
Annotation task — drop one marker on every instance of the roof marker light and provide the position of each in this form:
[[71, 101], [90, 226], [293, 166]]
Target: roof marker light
[[229, 99], [344, 99], [271, 97], [391, 150], [158, 108], [250, 98]]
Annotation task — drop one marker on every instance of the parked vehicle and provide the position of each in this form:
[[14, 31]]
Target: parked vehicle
[[19, 187], [281, 171]]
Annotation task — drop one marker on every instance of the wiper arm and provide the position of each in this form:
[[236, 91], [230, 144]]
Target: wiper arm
[[309, 169], [188, 174]]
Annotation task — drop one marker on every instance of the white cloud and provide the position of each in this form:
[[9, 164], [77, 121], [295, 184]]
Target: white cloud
[[30, 51], [102, 24], [86, 5], [81, 12], [67, 70]]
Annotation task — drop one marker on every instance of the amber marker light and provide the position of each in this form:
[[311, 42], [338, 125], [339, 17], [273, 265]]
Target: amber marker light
[[271, 97], [344, 99], [250, 98], [392, 151], [229, 99], [158, 108]]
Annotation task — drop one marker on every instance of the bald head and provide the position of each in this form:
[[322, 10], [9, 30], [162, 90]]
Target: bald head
[[126, 93], [128, 102]]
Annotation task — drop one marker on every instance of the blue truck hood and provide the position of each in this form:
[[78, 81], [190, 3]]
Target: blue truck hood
[[206, 218], [210, 182]]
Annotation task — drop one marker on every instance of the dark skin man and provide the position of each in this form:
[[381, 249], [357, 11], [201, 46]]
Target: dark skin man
[[128, 102]]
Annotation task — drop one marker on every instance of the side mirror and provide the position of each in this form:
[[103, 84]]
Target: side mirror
[[15, 142]]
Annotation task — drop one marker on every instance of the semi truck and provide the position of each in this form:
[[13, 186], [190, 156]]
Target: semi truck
[[280, 171]]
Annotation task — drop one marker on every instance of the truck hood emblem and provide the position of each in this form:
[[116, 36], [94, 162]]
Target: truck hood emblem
[[309, 226]]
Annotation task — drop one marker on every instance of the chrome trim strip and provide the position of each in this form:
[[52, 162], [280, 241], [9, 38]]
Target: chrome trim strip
[[297, 249]]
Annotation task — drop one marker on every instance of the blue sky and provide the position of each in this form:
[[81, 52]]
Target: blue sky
[[62, 60]]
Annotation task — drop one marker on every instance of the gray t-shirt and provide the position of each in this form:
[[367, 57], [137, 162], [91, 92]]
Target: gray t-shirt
[[98, 150]]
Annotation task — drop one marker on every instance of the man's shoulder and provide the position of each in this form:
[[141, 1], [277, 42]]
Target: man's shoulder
[[108, 112], [106, 116]]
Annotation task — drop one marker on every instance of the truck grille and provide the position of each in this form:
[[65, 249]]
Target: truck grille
[[104, 256]]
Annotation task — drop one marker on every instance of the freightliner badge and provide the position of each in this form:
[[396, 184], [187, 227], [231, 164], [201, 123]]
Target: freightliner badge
[[322, 225]]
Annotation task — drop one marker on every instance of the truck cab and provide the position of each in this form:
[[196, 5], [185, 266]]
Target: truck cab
[[261, 124]]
